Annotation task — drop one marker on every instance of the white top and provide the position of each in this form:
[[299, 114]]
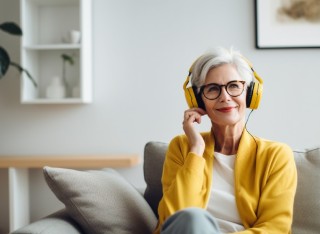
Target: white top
[[222, 202]]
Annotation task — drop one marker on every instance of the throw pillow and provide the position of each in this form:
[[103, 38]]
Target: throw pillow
[[101, 201], [154, 155]]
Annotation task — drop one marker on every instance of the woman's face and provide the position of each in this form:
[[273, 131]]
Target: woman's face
[[225, 110]]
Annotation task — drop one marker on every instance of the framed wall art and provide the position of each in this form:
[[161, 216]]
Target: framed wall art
[[287, 24]]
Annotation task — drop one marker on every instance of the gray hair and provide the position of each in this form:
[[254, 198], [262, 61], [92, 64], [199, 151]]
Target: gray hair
[[217, 57]]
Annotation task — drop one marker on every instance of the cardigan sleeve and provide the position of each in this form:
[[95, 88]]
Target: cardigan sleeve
[[182, 179]]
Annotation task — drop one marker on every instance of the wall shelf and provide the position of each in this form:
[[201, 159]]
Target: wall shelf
[[46, 26], [53, 47], [54, 101]]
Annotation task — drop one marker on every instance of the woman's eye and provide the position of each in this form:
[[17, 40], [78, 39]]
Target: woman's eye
[[234, 86], [213, 88]]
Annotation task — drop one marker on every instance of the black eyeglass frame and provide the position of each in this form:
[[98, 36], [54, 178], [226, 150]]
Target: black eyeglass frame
[[220, 88]]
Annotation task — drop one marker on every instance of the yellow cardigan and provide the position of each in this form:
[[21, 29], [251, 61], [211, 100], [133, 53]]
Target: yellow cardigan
[[265, 182]]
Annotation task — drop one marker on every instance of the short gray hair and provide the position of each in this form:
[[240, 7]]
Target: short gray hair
[[217, 57]]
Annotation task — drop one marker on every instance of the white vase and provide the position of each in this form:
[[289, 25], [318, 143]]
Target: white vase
[[56, 89], [74, 36]]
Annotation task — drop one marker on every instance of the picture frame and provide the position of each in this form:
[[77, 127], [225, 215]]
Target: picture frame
[[278, 27]]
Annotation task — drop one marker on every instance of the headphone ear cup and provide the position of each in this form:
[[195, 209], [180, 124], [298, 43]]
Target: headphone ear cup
[[190, 97], [193, 99], [249, 94], [200, 102], [254, 94]]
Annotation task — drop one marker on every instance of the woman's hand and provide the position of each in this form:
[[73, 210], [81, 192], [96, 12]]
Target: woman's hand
[[196, 141]]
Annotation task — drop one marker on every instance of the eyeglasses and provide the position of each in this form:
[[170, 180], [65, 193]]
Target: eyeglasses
[[212, 91]]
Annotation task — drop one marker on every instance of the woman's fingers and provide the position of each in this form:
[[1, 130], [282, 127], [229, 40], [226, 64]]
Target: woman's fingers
[[193, 115], [195, 110], [196, 142]]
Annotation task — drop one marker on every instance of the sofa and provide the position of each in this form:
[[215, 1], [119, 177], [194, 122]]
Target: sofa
[[102, 201]]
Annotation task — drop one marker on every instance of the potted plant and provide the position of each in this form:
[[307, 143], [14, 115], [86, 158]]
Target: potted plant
[[66, 58], [5, 61]]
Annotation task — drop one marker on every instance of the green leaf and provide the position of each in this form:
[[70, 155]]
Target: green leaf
[[4, 62], [67, 58], [12, 28], [21, 69]]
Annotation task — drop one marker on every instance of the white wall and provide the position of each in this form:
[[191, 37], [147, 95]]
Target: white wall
[[142, 52]]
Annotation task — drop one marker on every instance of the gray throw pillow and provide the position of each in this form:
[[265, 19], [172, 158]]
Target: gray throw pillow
[[101, 201], [154, 155], [306, 213]]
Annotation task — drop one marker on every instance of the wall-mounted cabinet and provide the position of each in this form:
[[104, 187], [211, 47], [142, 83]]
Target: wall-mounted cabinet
[[52, 28]]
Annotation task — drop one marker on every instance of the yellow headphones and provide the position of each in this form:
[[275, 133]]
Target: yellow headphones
[[254, 91]]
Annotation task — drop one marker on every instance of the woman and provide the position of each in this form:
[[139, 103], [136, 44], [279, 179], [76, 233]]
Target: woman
[[225, 180]]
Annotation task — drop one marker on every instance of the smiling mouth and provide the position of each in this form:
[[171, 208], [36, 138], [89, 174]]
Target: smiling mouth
[[225, 109]]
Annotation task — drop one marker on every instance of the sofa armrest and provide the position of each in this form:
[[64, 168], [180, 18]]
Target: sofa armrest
[[57, 223]]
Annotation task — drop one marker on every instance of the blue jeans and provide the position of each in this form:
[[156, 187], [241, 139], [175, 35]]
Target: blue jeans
[[190, 221]]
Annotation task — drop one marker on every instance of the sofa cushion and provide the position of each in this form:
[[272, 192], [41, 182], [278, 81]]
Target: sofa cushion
[[154, 155], [307, 201], [101, 201], [58, 222]]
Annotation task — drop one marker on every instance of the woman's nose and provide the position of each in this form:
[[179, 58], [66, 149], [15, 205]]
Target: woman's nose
[[224, 94]]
